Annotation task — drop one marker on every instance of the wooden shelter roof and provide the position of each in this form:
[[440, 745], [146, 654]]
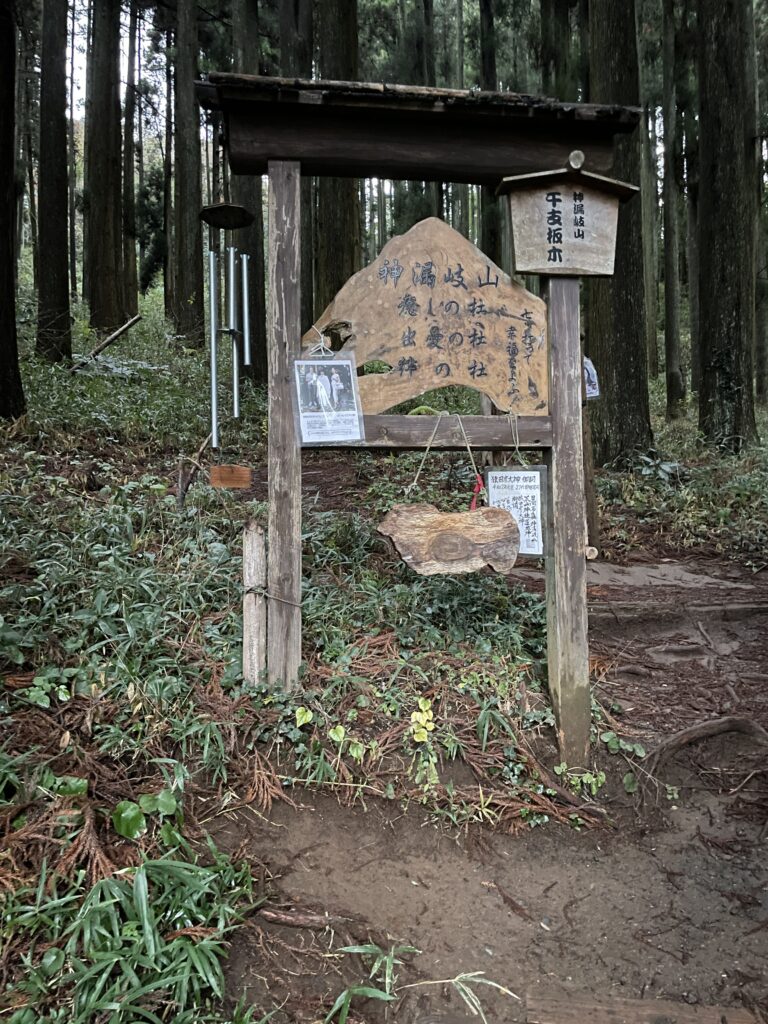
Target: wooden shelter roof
[[354, 129]]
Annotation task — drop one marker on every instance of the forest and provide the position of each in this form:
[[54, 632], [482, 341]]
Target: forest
[[397, 837]]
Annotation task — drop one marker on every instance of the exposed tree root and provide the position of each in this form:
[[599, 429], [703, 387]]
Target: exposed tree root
[[702, 730]]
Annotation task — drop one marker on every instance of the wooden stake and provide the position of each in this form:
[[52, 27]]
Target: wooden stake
[[284, 454], [567, 648], [254, 603], [105, 344]]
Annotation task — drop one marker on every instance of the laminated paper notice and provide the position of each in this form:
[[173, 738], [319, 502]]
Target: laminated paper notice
[[519, 491], [327, 401]]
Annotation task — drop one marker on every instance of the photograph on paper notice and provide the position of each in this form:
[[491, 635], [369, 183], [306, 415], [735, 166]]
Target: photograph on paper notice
[[327, 400], [519, 491]]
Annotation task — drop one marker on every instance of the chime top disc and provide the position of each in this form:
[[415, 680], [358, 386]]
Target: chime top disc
[[227, 216]]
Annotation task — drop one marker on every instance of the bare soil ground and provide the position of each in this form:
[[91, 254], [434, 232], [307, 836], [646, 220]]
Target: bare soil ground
[[668, 900]]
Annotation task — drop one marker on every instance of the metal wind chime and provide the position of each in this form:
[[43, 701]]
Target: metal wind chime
[[228, 217]]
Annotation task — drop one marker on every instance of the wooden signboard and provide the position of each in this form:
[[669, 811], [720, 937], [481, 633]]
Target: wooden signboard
[[564, 229], [433, 542], [438, 312]]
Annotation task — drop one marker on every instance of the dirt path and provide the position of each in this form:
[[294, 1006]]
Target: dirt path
[[670, 902]]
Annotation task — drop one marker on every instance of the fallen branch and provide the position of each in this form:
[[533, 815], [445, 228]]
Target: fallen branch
[[104, 344], [187, 479], [305, 919], [702, 730]]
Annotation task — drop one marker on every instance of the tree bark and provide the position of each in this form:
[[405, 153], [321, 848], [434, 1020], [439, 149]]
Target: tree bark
[[131, 279], [72, 158], [169, 248], [103, 202], [761, 317], [296, 52], [54, 333], [674, 376], [616, 338], [727, 219], [189, 313], [12, 404], [490, 220], [338, 206], [247, 190], [557, 65]]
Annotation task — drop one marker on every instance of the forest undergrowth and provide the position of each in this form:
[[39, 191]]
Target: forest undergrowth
[[129, 719]]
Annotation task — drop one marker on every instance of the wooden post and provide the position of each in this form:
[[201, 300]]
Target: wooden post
[[284, 454], [567, 649], [254, 603]]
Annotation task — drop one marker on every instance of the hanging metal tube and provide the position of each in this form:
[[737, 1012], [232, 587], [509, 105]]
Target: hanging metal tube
[[232, 324], [244, 257], [213, 304], [233, 328]]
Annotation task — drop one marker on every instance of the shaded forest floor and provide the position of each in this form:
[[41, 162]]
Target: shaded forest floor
[[338, 818]]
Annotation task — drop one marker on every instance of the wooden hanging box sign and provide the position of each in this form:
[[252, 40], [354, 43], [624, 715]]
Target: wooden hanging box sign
[[564, 221]]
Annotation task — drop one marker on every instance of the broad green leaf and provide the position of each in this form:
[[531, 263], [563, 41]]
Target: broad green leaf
[[128, 820], [303, 716]]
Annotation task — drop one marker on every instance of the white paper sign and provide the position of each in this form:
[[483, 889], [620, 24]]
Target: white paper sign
[[592, 384], [327, 401], [519, 491]]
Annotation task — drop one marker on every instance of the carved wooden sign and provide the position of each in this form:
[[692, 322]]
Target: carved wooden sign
[[433, 542], [437, 311]]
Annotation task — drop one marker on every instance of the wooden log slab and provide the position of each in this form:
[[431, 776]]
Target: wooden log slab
[[438, 312], [433, 542]]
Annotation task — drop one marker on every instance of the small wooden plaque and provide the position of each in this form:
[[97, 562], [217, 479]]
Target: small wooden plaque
[[433, 542], [564, 228], [235, 477]]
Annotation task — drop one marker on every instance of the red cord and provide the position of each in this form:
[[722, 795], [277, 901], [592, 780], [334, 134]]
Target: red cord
[[479, 487]]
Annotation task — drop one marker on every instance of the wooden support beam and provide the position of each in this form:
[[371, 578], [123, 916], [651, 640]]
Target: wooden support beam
[[567, 649], [483, 432], [284, 455], [254, 603]]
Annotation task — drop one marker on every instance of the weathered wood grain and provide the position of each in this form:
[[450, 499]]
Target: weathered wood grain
[[566, 583], [254, 603], [483, 432], [436, 310], [284, 453], [544, 1009], [372, 130], [433, 542], [586, 242]]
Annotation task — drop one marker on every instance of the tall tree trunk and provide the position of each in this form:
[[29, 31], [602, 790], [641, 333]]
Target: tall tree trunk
[[103, 204], [129, 185], [674, 376], [247, 189], [491, 215], [557, 69], [54, 333], [140, 130], [188, 305], [694, 305], [761, 316], [650, 234], [72, 163], [338, 206], [296, 52], [12, 402], [727, 219], [169, 249], [86, 289], [616, 306]]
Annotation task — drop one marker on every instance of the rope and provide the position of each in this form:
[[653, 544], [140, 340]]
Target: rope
[[512, 417], [411, 486]]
